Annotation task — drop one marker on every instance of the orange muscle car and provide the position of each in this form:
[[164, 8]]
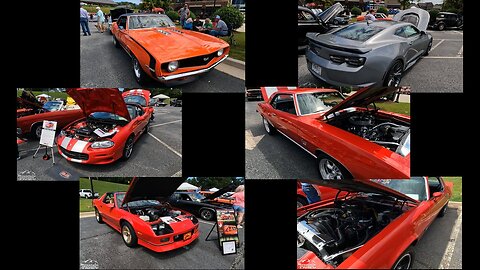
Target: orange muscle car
[[163, 52]]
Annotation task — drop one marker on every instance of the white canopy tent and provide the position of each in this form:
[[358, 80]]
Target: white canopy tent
[[187, 186], [161, 96], [44, 95], [214, 189]]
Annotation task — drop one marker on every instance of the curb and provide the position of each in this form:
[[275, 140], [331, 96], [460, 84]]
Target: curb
[[456, 204], [235, 63], [87, 214]]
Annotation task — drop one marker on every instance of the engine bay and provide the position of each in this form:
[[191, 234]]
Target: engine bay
[[335, 232], [390, 133], [90, 131], [151, 214]]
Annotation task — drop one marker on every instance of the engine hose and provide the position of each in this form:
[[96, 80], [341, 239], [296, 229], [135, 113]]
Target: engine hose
[[341, 238]]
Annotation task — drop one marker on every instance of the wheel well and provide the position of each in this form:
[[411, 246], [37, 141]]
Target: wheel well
[[123, 221], [391, 65], [207, 208], [34, 125], [414, 242], [320, 152]]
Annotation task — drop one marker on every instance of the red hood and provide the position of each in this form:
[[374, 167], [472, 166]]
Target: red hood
[[138, 92], [93, 100], [167, 44]]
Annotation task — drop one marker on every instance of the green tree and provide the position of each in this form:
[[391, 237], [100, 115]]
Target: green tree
[[230, 15], [383, 10], [405, 3], [356, 11], [455, 6]]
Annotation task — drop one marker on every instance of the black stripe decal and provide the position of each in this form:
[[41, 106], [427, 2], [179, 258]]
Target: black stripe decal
[[152, 59]]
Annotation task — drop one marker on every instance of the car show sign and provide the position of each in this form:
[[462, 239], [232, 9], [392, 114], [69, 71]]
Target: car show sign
[[227, 231], [48, 133]]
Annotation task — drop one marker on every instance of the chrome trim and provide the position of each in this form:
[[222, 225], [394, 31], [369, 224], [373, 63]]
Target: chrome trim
[[151, 69], [296, 143], [191, 73], [330, 257]]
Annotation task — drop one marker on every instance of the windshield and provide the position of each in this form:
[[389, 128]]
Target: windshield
[[52, 105], [140, 100], [359, 32], [139, 203], [196, 197], [137, 22], [105, 116], [414, 188], [317, 102]]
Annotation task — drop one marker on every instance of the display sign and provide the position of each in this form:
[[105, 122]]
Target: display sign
[[48, 133], [227, 231]]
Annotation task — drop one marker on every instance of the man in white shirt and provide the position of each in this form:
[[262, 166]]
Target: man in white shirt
[[371, 15]]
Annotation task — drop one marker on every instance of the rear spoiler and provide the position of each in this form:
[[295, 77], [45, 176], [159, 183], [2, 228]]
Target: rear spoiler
[[312, 37]]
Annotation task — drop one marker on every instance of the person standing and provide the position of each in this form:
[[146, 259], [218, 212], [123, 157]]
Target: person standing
[[311, 192], [100, 20], [84, 21], [220, 28], [371, 15], [184, 13], [239, 204]]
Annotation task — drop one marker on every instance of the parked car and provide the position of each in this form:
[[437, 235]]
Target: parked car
[[196, 203], [446, 20], [253, 94], [176, 102], [31, 114], [375, 227], [87, 193], [349, 138], [378, 16], [340, 20], [164, 53], [143, 216], [107, 132], [368, 54], [117, 12], [393, 11], [309, 22]]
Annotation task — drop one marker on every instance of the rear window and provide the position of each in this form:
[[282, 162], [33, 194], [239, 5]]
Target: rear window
[[359, 32]]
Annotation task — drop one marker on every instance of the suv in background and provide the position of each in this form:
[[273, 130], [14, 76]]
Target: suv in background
[[87, 193], [446, 20]]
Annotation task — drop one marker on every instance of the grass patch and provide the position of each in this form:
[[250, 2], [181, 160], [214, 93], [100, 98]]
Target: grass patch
[[237, 51], [457, 187], [99, 186], [63, 95], [389, 106]]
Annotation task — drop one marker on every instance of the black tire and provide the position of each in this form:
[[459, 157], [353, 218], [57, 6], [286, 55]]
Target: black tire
[[147, 127], [138, 72], [98, 217], [115, 42], [126, 229], [394, 74], [207, 214], [405, 260], [329, 168], [268, 128], [335, 22], [443, 211], [429, 47], [37, 131], [301, 202], [128, 148], [441, 27]]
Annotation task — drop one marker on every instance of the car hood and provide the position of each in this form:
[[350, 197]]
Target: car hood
[[406, 16], [330, 12], [93, 100], [28, 100], [138, 92], [176, 44], [151, 188], [361, 98], [220, 192], [367, 186]]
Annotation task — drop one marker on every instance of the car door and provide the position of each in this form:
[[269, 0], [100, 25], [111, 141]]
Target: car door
[[106, 208], [139, 122], [412, 42], [188, 204], [284, 114], [122, 29], [307, 22], [417, 40]]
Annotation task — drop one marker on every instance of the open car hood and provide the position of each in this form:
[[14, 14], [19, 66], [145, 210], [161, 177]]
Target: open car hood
[[330, 12], [362, 98], [92, 100], [220, 192], [367, 186], [28, 100], [151, 188], [416, 16]]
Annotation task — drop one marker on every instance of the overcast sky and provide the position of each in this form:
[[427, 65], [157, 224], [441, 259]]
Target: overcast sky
[[433, 1], [132, 1]]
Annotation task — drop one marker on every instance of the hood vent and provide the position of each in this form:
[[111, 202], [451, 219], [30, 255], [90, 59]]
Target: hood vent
[[163, 32]]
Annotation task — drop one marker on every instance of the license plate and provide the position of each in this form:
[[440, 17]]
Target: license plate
[[187, 236], [317, 69]]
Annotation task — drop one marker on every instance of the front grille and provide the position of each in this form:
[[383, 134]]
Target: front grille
[[74, 155], [193, 62], [179, 237]]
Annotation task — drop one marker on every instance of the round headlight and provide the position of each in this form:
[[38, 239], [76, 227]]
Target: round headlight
[[172, 66], [102, 144], [220, 52]]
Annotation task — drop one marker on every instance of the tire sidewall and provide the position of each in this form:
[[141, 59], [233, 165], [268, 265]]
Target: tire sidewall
[[410, 252], [208, 211], [390, 70], [124, 156], [133, 242], [343, 170]]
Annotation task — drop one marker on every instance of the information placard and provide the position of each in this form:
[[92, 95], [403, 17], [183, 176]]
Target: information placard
[[48, 137], [227, 231]]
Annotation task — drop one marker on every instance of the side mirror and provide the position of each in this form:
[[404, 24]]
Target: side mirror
[[423, 33], [437, 194], [120, 27]]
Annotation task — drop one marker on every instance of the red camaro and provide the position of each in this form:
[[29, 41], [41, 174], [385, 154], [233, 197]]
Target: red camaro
[[143, 216], [374, 226], [109, 129], [350, 138]]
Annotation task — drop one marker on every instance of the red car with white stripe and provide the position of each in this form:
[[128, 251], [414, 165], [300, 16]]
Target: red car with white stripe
[[107, 132]]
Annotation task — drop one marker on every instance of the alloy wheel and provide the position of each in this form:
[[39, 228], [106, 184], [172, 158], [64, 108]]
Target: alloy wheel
[[329, 170], [266, 125], [127, 236], [395, 75], [404, 262], [136, 68]]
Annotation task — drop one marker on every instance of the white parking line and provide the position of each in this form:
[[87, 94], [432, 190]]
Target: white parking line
[[166, 145], [436, 45], [162, 124], [458, 32], [177, 174], [443, 57], [461, 51], [447, 255]]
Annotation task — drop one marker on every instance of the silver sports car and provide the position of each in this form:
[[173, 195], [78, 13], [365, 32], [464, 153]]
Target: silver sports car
[[371, 53]]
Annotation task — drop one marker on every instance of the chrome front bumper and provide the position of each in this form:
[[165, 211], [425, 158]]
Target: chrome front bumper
[[191, 73]]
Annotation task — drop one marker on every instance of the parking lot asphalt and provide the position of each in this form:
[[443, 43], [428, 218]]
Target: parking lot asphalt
[[104, 65], [273, 156], [439, 72], [103, 246], [156, 153]]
